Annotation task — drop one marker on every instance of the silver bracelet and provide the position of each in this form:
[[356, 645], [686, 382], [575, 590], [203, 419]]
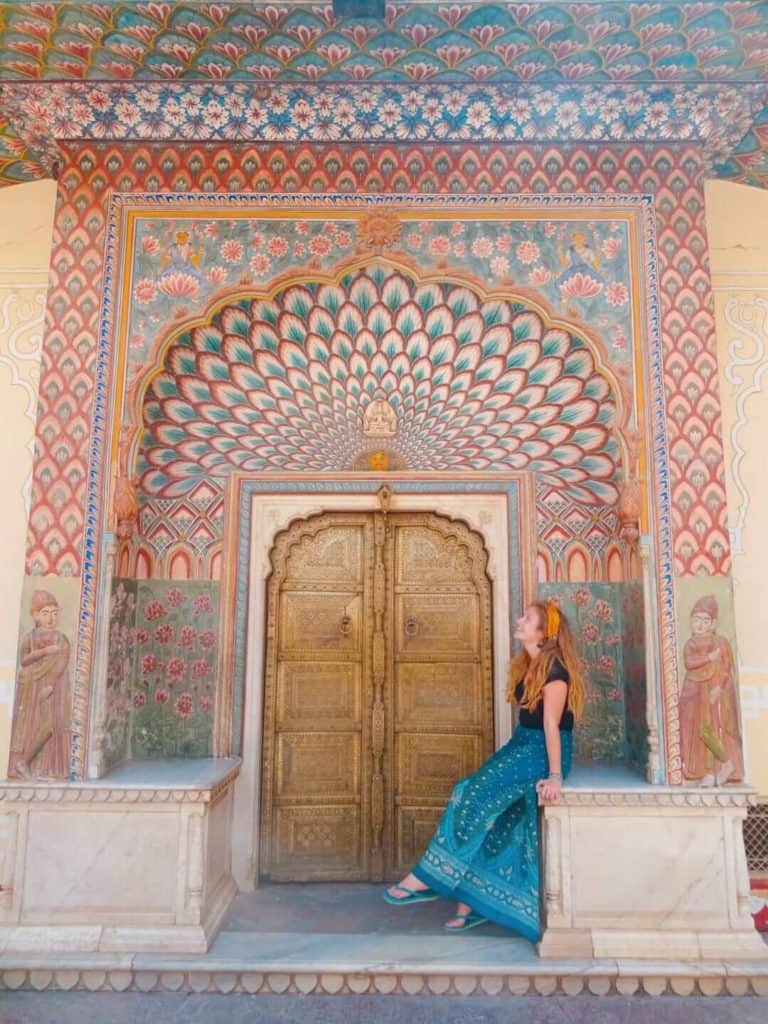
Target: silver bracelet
[[555, 777]]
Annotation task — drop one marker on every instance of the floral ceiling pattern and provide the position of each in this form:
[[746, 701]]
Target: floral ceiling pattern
[[564, 49], [451, 42]]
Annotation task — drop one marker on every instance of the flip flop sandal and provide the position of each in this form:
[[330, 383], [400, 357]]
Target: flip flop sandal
[[414, 896], [471, 920]]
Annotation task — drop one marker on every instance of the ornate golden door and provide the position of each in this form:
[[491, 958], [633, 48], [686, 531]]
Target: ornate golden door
[[378, 694]]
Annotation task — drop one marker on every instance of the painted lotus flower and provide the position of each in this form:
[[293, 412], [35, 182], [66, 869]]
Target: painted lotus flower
[[145, 290], [179, 285], [581, 286], [284, 384], [540, 275]]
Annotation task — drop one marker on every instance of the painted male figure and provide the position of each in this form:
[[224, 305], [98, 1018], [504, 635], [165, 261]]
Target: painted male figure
[[709, 716], [41, 738]]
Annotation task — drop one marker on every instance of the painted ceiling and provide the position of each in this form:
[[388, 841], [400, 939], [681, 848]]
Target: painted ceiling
[[101, 70]]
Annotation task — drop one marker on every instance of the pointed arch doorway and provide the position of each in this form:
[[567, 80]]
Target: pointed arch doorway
[[378, 689]]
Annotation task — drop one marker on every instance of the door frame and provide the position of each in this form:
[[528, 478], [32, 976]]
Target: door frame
[[486, 512]]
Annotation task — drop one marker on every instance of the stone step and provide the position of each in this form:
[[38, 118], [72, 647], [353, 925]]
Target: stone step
[[405, 964]]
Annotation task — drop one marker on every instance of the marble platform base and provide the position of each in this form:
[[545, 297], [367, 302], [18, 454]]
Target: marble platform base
[[138, 861], [637, 871], [274, 963]]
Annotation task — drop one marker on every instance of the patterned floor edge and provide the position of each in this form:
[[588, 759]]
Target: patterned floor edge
[[675, 979]]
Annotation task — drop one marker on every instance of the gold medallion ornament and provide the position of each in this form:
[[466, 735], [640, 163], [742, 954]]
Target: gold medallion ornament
[[379, 230]]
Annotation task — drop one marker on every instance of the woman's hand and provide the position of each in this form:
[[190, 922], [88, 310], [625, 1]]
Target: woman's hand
[[549, 790]]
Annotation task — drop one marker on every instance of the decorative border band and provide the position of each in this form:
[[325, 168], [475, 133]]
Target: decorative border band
[[549, 980], [715, 114]]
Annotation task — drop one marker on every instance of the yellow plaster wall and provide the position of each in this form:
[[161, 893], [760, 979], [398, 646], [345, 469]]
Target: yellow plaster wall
[[26, 224], [737, 225]]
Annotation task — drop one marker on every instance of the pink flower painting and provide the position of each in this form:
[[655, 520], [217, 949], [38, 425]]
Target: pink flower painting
[[581, 286], [179, 285]]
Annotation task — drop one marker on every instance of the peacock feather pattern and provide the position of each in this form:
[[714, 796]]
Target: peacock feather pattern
[[283, 384]]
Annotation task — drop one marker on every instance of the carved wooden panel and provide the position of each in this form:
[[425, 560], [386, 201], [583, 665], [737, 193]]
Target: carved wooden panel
[[331, 556], [436, 625], [312, 693], [440, 678], [318, 844], [429, 765], [315, 821], [319, 623], [318, 764], [425, 557], [444, 694]]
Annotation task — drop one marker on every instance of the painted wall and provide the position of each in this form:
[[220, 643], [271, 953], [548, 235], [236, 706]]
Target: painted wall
[[737, 217], [26, 223], [698, 541], [695, 539]]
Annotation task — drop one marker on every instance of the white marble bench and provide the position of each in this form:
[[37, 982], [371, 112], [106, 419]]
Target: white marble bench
[[633, 870], [137, 861]]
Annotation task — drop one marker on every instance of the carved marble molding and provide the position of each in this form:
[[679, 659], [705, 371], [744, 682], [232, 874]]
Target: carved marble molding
[[104, 792], [659, 797]]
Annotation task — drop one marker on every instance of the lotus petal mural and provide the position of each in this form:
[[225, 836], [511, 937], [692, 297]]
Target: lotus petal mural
[[289, 384]]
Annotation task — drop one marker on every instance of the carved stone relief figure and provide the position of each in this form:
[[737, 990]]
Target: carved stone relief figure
[[709, 716], [40, 742], [380, 419]]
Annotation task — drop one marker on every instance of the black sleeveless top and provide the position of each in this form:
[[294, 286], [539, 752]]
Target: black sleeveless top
[[535, 719]]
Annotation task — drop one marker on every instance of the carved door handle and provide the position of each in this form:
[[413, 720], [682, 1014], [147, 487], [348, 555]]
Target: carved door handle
[[345, 627], [411, 626]]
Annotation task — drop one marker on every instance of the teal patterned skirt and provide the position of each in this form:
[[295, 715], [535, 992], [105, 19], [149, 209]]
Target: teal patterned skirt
[[485, 851]]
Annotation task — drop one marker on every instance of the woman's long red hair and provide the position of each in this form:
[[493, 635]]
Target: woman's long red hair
[[534, 671]]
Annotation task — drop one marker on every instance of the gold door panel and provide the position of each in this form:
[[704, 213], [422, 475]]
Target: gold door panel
[[448, 694], [429, 765], [441, 672], [414, 828], [315, 779], [332, 556], [378, 693], [423, 555], [315, 623], [437, 625], [318, 843], [311, 693], [313, 764]]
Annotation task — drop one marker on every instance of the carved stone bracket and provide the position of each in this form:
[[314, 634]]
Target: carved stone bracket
[[125, 502], [630, 503]]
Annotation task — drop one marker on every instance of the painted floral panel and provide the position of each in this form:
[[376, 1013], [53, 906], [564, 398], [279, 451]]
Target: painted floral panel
[[594, 610], [177, 650]]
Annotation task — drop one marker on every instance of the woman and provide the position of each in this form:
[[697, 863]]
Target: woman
[[485, 852]]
